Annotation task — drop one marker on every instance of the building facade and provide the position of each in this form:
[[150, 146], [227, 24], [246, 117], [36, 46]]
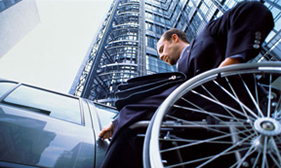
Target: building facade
[[17, 18], [125, 46]]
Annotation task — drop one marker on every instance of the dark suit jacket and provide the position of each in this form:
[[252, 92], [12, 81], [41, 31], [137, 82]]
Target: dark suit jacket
[[240, 30]]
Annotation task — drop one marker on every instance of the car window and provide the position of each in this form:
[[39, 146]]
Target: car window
[[5, 86], [106, 114], [55, 105]]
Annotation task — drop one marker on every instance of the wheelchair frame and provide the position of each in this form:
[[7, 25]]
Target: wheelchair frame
[[246, 132]]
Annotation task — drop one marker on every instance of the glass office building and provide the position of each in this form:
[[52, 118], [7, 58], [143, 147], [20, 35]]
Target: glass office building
[[17, 18], [125, 46]]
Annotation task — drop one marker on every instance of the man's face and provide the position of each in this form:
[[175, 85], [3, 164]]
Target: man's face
[[168, 50]]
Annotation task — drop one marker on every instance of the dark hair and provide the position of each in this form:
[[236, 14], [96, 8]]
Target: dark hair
[[168, 34]]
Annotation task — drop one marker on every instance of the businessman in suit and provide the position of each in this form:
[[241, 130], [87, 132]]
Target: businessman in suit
[[235, 37]]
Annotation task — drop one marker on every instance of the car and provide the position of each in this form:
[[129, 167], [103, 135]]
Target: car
[[44, 128]]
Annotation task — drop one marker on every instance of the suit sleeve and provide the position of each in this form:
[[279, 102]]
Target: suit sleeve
[[245, 27]]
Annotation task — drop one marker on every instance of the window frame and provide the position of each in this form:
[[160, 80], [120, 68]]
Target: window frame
[[38, 110]]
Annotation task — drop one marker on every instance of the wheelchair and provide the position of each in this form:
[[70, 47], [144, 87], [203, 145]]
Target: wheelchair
[[225, 117]]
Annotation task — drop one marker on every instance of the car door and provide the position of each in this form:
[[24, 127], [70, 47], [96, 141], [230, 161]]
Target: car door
[[43, 128]]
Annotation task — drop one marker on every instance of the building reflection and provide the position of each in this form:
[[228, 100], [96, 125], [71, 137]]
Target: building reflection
[[22, 140], [79, 156]]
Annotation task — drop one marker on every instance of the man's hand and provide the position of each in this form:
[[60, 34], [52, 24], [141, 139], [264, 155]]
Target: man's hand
[[106, 132], [230, 61]]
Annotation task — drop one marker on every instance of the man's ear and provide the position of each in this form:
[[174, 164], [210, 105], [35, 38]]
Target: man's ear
[[175, 37]]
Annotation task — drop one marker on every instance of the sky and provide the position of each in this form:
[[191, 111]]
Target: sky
[[50, 55]]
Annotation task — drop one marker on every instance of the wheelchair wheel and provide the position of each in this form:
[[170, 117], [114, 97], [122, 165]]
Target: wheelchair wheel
[[226, 117]]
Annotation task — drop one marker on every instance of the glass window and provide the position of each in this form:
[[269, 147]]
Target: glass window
[[5, 86], [150, 41], [157, 18], [106, 114], [149, 26], [204, 8], [149, 15], [2, 5], [159, 30], [151, 63], [52, 104]]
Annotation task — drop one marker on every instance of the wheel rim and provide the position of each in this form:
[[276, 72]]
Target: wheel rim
[[246, 131]]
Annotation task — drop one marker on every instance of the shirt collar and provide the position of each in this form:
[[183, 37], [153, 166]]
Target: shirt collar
[[184, 51]]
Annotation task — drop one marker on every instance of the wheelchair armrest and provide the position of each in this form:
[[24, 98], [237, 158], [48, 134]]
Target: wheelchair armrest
[[139, 124]]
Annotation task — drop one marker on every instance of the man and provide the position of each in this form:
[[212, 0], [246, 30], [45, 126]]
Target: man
[[173, 44], [233, 38]]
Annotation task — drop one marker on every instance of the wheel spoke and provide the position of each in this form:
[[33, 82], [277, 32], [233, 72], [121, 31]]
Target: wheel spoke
[[276, 109], [226, 106], [198, 142], [274, 160], [196, 124], [256, 90], [213, 114], [239, 102], [264, 152], [249, 152], [269, 97], [225, 151], [210, 113], [233, 91], [203, 111], [205, 158], [194, 140], [257, 159], [275, 149], [252, 98], [214, 97]]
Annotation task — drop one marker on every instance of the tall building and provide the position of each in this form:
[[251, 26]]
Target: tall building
[[125, 46], [17, 18]]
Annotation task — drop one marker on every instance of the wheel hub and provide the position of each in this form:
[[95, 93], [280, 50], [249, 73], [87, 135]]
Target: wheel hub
[[267, 126]]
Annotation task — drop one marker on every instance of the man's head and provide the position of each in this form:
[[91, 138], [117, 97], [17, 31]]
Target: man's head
[[171, 44]]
